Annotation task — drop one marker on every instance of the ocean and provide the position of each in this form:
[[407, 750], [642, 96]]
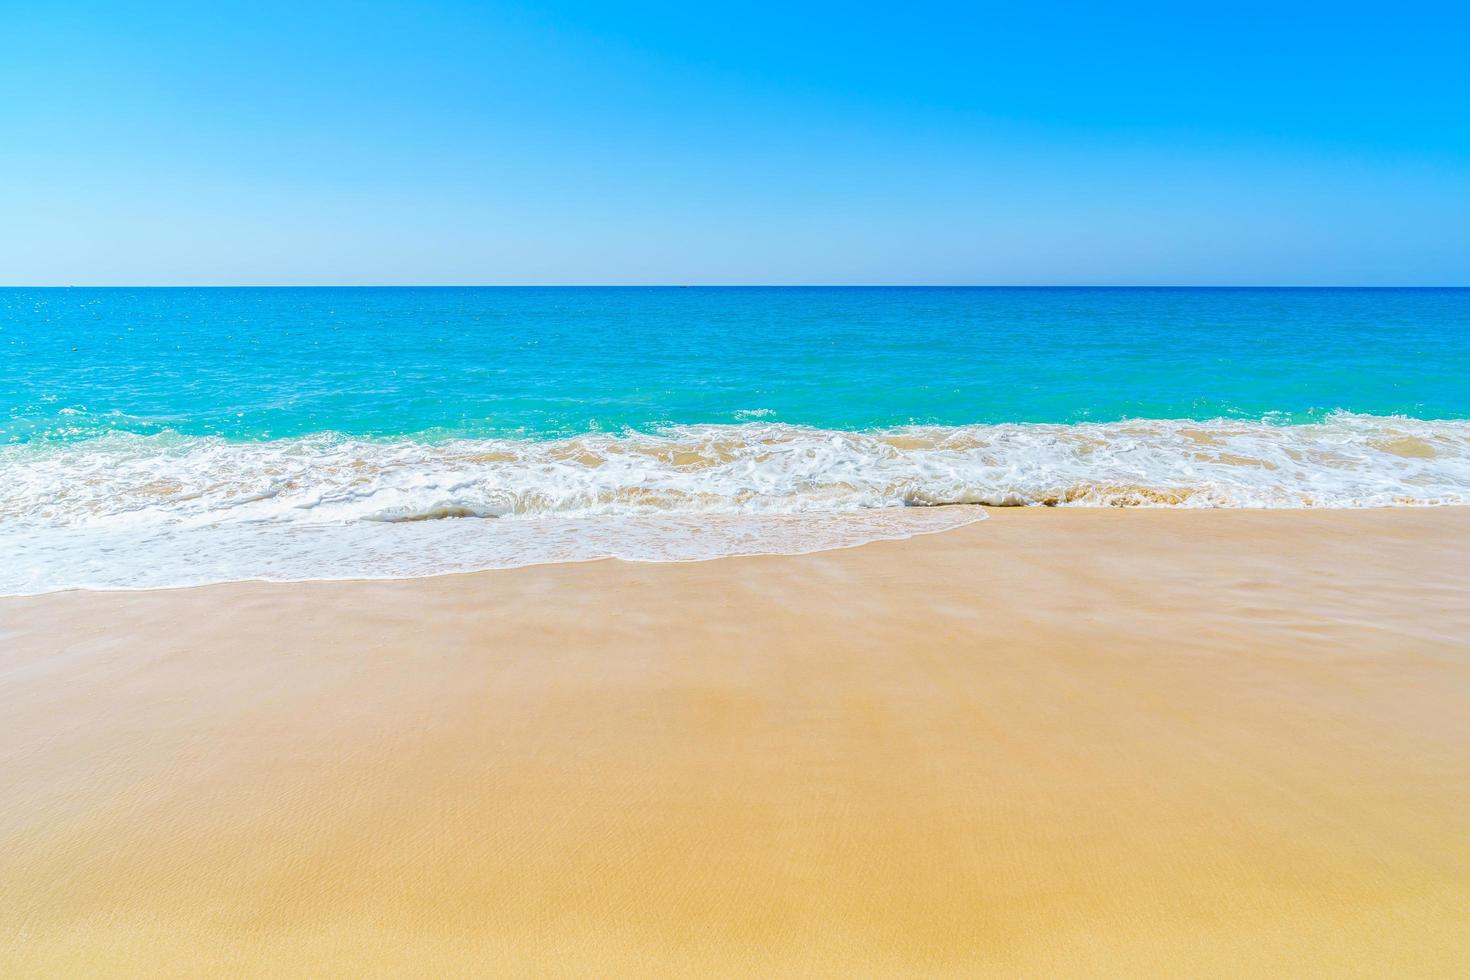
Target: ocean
[[169, 437]]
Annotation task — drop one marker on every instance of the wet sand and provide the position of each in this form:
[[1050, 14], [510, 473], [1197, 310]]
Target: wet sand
[[1056, 742]]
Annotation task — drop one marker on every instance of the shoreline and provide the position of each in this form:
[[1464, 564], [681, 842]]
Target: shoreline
[[1082, 740], [982, 512], [894, 535], [126, 510]]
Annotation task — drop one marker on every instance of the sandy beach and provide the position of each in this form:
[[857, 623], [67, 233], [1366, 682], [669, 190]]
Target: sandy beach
[[1056, 742]]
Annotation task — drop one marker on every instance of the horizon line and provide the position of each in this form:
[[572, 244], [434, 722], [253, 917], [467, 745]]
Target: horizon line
[[701, 285]]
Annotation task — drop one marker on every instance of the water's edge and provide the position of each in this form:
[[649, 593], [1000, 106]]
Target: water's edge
[[132, 511]]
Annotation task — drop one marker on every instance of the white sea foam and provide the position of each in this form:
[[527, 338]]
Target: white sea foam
[[144, 511]]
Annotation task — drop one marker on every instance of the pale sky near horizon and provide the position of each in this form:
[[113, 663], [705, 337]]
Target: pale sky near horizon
[[460, 143]]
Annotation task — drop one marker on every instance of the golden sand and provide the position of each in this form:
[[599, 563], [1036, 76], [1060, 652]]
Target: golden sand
[[1054, 743]]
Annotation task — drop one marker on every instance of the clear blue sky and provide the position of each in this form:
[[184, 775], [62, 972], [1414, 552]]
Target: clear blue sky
[[163, 142]]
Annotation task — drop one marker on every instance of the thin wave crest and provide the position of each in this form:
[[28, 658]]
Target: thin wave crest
[[1345, 461]]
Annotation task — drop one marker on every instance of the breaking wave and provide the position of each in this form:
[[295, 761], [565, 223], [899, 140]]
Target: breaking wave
[[127, 510]]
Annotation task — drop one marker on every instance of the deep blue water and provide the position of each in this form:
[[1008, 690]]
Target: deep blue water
[[256, 364]]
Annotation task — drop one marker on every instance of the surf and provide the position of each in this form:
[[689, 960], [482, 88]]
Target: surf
[[167, 509]]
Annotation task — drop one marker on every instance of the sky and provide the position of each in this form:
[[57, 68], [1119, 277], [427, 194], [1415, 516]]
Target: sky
[[754, 143]]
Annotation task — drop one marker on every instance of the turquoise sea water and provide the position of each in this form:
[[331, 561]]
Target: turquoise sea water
[[174, 436], [272, 363]]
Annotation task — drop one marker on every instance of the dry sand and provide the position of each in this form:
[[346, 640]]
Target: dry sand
[[1056, 742]]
